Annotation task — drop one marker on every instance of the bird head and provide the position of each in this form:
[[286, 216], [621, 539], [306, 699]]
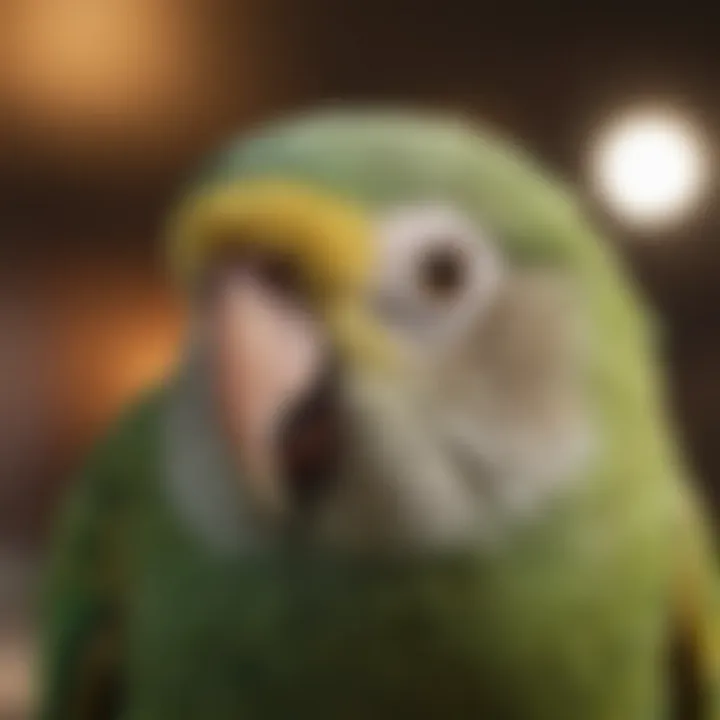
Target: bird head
[[404, 327]]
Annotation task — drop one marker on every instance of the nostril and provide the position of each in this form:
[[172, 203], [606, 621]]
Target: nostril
[[281, 273]]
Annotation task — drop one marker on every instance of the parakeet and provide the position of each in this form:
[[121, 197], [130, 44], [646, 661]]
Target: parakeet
[[414, 460]]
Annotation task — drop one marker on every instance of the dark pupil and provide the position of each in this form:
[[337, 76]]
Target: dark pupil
[[442, 271]]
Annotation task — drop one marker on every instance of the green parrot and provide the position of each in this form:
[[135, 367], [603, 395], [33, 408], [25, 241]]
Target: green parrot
[[413, 462]]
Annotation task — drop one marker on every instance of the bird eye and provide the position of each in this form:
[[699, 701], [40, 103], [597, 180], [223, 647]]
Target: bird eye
[[436, 269]]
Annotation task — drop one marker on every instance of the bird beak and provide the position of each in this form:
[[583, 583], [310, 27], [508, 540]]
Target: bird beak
[[270, 359], [278, 346]]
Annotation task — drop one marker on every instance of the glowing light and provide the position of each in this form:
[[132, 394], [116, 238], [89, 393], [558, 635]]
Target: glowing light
[[650, 168]]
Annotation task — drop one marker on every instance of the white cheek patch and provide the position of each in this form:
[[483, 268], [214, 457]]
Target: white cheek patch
[[517, 470], [503, 428], [520, 407]]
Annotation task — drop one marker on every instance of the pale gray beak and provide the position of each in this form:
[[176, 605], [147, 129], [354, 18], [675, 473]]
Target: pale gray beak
[[272, 383]]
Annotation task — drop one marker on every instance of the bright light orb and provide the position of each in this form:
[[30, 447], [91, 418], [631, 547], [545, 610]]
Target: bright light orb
[[650, 168]]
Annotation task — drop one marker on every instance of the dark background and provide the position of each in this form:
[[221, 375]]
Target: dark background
[[104, 107]]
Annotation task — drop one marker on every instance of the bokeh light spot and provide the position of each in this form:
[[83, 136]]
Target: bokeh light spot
[[650, 168]]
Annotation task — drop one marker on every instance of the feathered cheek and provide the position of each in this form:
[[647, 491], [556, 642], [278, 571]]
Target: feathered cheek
[[516, 398]]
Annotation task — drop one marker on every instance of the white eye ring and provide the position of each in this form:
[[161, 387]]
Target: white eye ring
[[436, 270]]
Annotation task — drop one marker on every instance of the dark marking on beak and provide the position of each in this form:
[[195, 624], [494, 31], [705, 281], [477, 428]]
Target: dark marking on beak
[[309, 442]]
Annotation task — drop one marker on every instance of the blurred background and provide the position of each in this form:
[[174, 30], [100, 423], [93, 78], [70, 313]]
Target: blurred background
[[106, 106]]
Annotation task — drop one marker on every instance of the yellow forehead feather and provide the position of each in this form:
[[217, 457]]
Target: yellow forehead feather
[[329, 238]]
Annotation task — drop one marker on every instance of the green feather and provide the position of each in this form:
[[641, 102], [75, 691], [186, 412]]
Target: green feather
[[569, 617]]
